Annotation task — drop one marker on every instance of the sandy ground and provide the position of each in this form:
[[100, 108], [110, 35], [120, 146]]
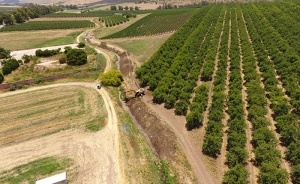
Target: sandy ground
[[19, 54]]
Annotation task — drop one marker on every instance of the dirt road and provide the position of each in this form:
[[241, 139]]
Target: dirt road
[[97, 153], [18, 54]]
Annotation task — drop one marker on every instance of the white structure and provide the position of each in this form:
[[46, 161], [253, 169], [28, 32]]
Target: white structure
[[56, 179]]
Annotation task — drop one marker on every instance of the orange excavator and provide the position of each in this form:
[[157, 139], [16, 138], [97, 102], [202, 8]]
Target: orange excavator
[[136, 92]]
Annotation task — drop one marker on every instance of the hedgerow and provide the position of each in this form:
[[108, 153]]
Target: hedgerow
[[236, 138], [214, 129], [113, 20], [9, 66], [268, 157], [91, 14]]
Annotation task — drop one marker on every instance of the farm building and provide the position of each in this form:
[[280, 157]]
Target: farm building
[[56, 179]]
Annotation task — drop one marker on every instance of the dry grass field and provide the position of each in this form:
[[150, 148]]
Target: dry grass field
[[30, 39], [40, 113], [141, 47]]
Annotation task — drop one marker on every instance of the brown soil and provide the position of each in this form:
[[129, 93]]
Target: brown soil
[[155, 112], [162, 139]]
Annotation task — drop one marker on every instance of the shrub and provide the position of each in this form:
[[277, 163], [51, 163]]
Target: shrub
[[181, 107], [26, 58], [67, 48], [194, 119], [81, 45], [1, 77], [14, 87], [111, 78], [9, 66], [47, 53], [4, 53], [76, 57], [237, 174], [62, 60]]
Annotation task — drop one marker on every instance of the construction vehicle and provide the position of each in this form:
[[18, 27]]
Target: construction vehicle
[[137, 93]]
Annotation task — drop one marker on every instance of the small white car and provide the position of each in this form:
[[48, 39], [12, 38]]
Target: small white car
[[99, 85]]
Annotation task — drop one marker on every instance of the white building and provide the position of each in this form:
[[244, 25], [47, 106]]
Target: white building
[[56, 179]]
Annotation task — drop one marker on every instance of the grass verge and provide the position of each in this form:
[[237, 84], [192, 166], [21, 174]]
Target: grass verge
[[32, 171]]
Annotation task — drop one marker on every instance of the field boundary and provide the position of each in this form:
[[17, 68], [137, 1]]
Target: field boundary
[[31, 81]]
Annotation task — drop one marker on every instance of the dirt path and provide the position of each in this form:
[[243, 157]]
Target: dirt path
[[18, 54], [97, 154]]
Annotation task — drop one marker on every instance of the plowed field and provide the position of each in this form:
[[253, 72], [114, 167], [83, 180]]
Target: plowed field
[[43, 112]]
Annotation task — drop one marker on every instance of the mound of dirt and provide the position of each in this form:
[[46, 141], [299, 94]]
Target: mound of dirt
[[126, 66], [162, 139]]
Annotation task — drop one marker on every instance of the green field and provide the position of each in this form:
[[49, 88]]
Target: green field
[[70, 38], [141, 48], [31, 39], [46, 25], [158, 22]]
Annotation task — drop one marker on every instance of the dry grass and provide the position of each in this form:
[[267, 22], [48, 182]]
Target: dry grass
[[43, 112], [29, 39], [141, 48]]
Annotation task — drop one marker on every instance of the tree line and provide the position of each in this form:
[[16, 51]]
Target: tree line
[[123, 8], [25, 13]]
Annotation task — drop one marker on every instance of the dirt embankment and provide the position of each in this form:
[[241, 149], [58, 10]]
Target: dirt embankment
[[162, 139]]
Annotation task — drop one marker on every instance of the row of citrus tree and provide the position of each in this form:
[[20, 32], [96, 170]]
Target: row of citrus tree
[[157, 22], [113, 20], [182, 76], [91, 14], [267, 156], [287, 121], [214, 129], [200, 100], [153, 70], [45, 25], [236, 139]]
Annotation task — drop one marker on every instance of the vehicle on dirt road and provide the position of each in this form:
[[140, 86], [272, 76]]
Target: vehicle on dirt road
[[137, 93], [99, 85]]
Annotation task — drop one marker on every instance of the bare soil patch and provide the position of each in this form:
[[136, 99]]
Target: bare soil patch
[[163, 140]]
